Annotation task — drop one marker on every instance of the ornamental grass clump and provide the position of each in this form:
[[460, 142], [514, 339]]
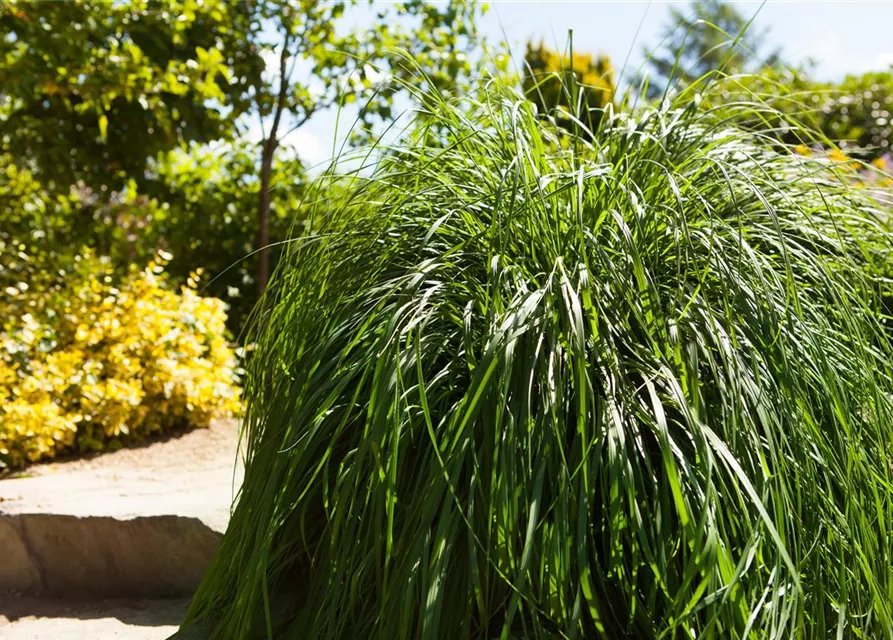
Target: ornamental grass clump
[[515, 385]]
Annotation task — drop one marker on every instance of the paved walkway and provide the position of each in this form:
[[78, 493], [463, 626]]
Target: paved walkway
[[114, 521], [191, 475]]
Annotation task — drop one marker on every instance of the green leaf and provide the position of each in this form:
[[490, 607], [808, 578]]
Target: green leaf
[[103, 127]]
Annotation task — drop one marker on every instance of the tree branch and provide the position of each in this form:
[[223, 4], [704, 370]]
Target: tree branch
[[272, 140]]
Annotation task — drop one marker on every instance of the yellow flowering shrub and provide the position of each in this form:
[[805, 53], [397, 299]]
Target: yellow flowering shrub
[[549, 79], [94, 362], [874, 175]]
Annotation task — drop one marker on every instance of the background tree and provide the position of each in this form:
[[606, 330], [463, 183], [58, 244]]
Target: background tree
[[854, 114], [203, 211], [93, 93], [859, 113], [99, 98], [702, 40], [92, 90], [345, 66]]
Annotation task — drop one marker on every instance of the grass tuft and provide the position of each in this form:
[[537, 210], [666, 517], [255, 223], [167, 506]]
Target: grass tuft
[[628, 384]]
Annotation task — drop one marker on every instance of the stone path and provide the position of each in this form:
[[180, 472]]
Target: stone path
[[191, 475], [141, 523]]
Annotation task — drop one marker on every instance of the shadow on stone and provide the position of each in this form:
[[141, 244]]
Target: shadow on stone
[[136, 612], [146, 557]]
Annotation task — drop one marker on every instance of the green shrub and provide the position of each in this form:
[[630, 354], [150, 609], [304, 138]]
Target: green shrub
[[637, 388], [89, 362], [200, 205], [856, 114]]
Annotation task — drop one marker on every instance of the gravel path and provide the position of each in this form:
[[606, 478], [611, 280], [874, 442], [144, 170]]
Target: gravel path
[[199, 448]]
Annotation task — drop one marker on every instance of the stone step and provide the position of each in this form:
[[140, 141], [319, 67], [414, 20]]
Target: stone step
[[154, 556], [140, 522]]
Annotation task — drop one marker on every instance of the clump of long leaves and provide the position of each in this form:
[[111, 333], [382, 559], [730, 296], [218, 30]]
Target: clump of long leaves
[[525, 385]]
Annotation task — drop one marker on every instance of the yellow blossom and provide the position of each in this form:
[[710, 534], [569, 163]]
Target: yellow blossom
[[838, 156]]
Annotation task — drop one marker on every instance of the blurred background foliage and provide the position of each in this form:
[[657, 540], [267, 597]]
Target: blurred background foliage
[[855, 114], [93, 90]]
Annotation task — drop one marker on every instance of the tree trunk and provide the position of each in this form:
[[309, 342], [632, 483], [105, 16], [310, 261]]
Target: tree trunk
[[263, 218], [266, 170]]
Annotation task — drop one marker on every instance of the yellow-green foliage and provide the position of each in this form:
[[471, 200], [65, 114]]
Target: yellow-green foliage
[[548, 79], [87, 364]]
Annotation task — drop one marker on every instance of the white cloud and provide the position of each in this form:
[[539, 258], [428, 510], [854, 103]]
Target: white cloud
[[883, 61], [308, 146]]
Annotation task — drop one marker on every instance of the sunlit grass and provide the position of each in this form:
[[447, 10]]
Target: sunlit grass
[[519, 385]]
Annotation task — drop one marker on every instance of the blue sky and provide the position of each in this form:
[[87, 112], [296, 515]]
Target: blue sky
[[845, 36]]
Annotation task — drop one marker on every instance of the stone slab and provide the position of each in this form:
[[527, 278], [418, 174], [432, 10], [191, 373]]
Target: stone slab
[[136, 523]]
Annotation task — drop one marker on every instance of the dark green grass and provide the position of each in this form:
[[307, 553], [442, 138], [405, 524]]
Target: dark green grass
[[520, 385]]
